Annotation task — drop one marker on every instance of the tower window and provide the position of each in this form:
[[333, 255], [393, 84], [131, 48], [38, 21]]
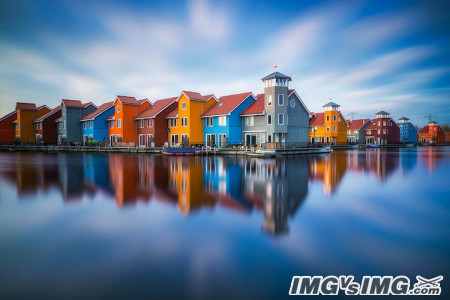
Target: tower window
[[280, 119], [280, 100], [269, 119], [328, 118], [269, 100]]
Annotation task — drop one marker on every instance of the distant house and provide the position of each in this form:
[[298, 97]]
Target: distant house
[[69, 126], [356, 130], [278, 118], [94, 126], [328, 127], [383, 130], [431, 134], [408, 132], [26, 114], [222, 124], [152, 123], [184, 122], [45, 127], [8, 128], [122, 126]]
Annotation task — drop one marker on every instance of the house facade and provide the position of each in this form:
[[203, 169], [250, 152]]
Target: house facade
[[383, 130], [408, 132], [328, 127], [69, 126], [8, 128], [94, 126], [278, 118], [152, 123], [222, 124], [356, 130], [431, 134], [26, 114], [122, 126], [46, 130], [185, 125]]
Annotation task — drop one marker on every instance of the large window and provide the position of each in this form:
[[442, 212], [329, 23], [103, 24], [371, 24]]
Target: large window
[[249, 121], [222, 121], [280, 100], [280, 119], [184, 122], [174, 139]]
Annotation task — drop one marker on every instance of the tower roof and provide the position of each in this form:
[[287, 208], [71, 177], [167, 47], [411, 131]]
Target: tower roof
[[276, 75], [332, 104], [382, 112]]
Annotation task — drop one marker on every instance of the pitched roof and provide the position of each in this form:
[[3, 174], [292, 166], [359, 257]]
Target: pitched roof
[[276, 75], [197, 96], [404, 119], [227, 104], [25, 106], [42, 118], [382, 112], [256, 108], [58, 120], [42, 107], [317, 119], [111, 117], [331, 104], [72, 103], [8, 115], [173, 113], [356, 124], [372, 125], [102, 108], [425, 129], [127, 99], [156, 108]]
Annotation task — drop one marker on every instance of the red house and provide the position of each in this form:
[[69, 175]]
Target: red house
[[383, 130], [46, 127], [8, 128], [152, 123], [431, 134]]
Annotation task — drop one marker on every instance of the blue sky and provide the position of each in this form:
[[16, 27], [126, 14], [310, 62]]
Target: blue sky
[[365, 55]]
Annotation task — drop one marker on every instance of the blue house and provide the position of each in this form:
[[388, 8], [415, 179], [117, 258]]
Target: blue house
[[408, 133], [94, 125], [222, 124]]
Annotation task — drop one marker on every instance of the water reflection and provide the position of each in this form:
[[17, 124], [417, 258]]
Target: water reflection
[[274, 188]]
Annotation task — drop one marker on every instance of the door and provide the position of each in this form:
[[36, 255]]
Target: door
[[149, 140], [112, 139], [142, 140], [223, 140]]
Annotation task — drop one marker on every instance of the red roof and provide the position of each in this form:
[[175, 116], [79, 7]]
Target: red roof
[[72, 103], [42, 118], [317, 119], [111, 117], [42, 106], [156, 108], [26, 106], [8, 115], [256, 108], [127, 100], [356, 124], [227, 104], [372, 125], [425, 129], [197, 96], [173, 113], [98, 111]]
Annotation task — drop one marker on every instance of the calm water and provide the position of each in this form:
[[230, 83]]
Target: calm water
[[89, 226]]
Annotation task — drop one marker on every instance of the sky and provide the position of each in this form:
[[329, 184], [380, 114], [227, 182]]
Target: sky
[[364, 55]]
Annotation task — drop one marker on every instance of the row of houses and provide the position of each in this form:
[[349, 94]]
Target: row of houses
[[277, 118]]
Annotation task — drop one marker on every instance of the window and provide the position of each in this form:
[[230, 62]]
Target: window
[[173, 122], [91, 124], [269, 100], [334, 118], [384, 123], [249, 121], [174, 139], [119, 138], [269, 119], [280, 100], [328, 118], [334, 128], [269, 138], [36, 126], [184, 122], [339, 119], [378, 131], [280, 119], [328, 129], [119, 124], [149, 123], [111, 124], [64, 124], [292, 103], [222, 121], [118, 110], [401, 132], [141, 123], [390, 123], [384, 131], [379, 123], [183, 105], [209, 122]]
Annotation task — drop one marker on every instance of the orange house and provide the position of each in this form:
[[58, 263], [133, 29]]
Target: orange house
[[185, 122], [26, 114], [122, 126], [431, 134], [7, 129], [328, 127]]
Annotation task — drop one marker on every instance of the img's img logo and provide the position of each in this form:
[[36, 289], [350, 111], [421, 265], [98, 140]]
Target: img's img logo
[[370, 285]]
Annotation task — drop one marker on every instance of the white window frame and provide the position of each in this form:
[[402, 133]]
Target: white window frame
[[118, 108], [141, 123], [269, 116], [334, 118], [148, 135], [119, 123], [269, 100], [185, 123], [209, 122], [222, 121], [282, 100], [183, 105], [250, 121], [173, 122], [149, 123], [334, 128]]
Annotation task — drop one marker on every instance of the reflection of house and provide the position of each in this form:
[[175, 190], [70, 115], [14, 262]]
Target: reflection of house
[[184, 122], [152, 123], [26, 114], [71, 175], [432, 134], [408, 132], [328, 127], [222, 124], [382, 130], [7, 128], [355, 131], [46, 128], [329, 169], [94, 125], [69, 126], [381, 163]]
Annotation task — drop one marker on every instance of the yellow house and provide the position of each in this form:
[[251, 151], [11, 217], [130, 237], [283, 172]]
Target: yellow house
[[185, 125], [328, 127]]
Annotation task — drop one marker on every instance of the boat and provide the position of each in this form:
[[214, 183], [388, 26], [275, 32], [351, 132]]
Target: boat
[[262, 153], [182, 151], [373, 146]]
